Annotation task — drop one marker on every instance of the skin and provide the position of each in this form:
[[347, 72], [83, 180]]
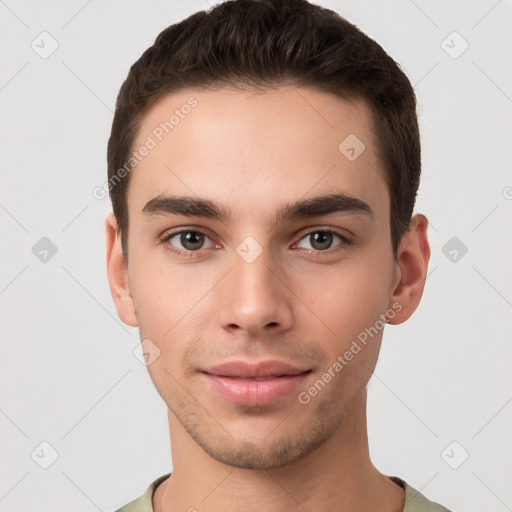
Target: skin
[[252, 152]]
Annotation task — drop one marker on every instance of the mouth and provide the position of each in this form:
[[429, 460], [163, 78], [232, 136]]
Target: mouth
[[255, 385], [257, 379], [245, 370]]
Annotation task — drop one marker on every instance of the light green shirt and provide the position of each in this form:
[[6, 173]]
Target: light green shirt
[[414, 500]]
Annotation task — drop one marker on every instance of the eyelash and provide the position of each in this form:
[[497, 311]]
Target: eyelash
[[188, 254]]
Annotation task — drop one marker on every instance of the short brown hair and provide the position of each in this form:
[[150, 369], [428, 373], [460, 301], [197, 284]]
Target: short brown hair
[[267, 43]]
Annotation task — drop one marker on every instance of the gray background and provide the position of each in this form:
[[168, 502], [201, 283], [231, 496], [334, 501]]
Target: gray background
[[68, 375]]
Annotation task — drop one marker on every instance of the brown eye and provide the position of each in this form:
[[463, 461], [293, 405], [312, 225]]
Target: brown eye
[[322, 239], [190, 240]]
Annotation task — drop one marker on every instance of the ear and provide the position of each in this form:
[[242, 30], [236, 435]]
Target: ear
[[412, 260], [118, 273]]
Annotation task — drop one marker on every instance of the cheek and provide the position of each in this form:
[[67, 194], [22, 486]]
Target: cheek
[[343, 300], [163, 293], [169, 304]]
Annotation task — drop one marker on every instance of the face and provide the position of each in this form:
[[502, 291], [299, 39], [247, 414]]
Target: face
[[259, 282]]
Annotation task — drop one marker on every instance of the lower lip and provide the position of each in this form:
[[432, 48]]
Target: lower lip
[[255, 392]]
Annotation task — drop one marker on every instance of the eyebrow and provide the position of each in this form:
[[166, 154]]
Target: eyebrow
[[313, 207]]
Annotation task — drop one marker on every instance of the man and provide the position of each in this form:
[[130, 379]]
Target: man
[[263, 167]]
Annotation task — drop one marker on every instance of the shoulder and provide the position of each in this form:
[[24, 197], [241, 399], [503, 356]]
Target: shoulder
[[145, 502], [417, 502]]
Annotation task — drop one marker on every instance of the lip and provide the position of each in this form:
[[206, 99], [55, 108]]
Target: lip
[[235, 381], [242, 369]]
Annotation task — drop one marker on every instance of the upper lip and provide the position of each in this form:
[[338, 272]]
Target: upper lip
[[243, 369]]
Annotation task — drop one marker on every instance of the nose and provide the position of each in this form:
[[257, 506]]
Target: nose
[[255, 297]]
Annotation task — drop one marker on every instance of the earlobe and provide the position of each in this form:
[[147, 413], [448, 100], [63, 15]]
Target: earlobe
[[413, 256], [118, 273]]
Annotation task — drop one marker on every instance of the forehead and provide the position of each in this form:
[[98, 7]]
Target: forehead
[[255, 148]]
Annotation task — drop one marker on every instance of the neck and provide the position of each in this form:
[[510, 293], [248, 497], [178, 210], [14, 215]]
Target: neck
[[338, 475]]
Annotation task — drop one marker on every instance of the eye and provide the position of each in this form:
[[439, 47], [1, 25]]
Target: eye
[[322, 239], [190, 240], [187, 242]]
